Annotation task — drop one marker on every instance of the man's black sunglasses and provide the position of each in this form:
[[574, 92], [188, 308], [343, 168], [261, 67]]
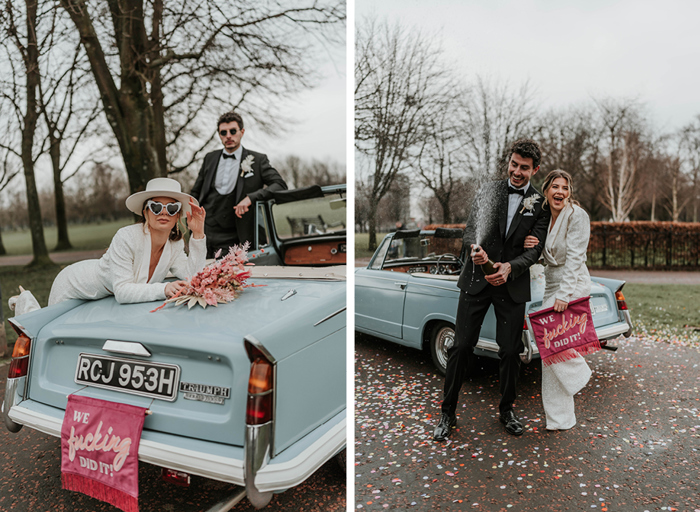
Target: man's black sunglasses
[[233, 131]]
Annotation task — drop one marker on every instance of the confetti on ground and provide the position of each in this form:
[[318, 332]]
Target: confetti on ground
[[635, 444]]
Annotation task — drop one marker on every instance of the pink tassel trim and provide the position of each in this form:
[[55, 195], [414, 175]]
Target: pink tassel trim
[[566, 355], [100, 491]]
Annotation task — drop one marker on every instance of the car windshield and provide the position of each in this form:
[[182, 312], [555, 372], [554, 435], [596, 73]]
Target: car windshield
[[425, 247], [310, 217]]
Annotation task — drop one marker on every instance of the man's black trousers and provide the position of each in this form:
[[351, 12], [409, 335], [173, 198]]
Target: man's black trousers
[[470, 315]]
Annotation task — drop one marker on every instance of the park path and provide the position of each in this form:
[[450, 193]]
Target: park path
[[630, 276]]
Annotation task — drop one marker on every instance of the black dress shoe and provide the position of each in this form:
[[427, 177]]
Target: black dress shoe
[[513, 425], [443, 429]]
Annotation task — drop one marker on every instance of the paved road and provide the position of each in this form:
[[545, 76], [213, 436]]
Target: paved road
[[30, 481], [635, 447]]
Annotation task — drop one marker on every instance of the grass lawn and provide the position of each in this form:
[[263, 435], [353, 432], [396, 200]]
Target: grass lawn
[[38, 281], [362, 242], [83, 237], [664, 306]]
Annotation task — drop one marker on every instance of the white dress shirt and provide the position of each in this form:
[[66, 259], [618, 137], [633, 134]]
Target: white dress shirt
[[514, 201], [227, 172]]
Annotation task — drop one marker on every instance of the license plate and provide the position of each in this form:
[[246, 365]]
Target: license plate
[[599, 308], [154, 380]]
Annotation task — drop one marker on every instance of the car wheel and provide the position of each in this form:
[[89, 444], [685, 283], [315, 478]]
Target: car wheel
[[442, 339]]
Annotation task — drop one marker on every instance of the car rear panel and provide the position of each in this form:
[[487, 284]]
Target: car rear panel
[[207, 346]]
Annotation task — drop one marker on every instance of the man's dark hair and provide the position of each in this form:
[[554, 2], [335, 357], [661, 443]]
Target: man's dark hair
[[527, 148], [230, 117]]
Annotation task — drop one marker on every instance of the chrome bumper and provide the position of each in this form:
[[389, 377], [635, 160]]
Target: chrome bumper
[[257, 455], [12, 393], [278, 474]]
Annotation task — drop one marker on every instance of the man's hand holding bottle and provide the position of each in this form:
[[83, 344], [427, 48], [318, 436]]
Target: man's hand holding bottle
[[496, 274]]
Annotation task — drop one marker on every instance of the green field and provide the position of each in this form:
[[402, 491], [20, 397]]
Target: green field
[[361, 243], [83, 237], [665, 311]]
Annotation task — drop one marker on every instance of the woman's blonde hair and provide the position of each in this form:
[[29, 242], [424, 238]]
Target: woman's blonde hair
[[553, 175]]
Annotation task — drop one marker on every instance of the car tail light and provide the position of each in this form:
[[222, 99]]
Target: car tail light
[[20, 357], [260, 387], [525, 325], [175, 477], [621, 304]]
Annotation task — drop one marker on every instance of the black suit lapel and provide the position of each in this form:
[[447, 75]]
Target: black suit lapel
[[241, 179], [519, 212]]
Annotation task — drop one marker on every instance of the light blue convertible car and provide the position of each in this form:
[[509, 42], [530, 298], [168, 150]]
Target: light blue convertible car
[[251, 392], [408, 294]]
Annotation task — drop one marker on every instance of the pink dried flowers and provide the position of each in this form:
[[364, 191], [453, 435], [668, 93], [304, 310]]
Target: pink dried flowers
[[219, 282]]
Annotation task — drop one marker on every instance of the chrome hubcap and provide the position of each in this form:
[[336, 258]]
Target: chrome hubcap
[[444, 340]]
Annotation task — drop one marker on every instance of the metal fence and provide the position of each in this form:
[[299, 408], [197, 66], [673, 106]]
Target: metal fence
[[650, 245]]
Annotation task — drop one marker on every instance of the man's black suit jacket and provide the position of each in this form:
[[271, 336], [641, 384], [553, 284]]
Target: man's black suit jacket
[[252, 186], [487, 227]]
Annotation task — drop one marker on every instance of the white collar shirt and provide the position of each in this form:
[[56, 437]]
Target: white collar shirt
[[227, 172], [514, 201]]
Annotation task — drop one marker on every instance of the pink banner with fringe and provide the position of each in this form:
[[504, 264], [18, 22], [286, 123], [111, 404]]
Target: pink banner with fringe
[[562, 336], [99, 450]]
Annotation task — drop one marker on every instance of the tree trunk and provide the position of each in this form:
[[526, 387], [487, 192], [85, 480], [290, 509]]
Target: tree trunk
[[372, 221], [61, 219], [41, 254], [128, 108], [3, 251], [446, 212]]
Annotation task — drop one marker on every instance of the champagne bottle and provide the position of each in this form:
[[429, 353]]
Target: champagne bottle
[[487, 267]]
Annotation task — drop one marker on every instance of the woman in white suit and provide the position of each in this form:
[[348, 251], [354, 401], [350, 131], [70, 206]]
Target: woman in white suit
[[566, 279], [139, 257]]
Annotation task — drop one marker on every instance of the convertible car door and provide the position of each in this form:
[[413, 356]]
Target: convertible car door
[[379, 298]]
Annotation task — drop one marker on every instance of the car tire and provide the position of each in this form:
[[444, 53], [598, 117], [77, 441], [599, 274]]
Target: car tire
[[441, 339]]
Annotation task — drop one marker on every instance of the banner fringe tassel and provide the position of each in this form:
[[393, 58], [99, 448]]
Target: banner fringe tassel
[[588, 348], [100, 491]]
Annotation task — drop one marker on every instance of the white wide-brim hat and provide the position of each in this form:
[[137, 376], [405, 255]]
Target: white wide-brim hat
[[160, 187]]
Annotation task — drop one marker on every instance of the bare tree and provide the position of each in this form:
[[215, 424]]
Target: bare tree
[[8, 172], [21, 51], [161, 67], [399, 80], [689, 152], [570, 139], [69, 108], [675, 188], [441, 161], [622, 125], [498, 114], [298, 172]]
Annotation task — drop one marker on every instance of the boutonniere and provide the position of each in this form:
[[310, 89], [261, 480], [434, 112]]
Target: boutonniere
[[529, 203], [247, 165]]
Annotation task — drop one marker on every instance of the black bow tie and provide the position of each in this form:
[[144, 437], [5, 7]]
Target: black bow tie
[[226, 155], [512, 190]]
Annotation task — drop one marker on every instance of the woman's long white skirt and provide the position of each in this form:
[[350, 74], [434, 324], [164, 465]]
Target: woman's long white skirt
[[561, 381]]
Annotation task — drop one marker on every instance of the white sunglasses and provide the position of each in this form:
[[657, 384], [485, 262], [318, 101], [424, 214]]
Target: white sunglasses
[[170, 208]]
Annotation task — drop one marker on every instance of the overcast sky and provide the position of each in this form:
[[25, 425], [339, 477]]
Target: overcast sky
[[320, 131], [570, 51]]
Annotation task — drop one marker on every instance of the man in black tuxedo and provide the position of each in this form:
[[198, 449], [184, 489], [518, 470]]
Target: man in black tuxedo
[[503, 214], [228, 185]]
